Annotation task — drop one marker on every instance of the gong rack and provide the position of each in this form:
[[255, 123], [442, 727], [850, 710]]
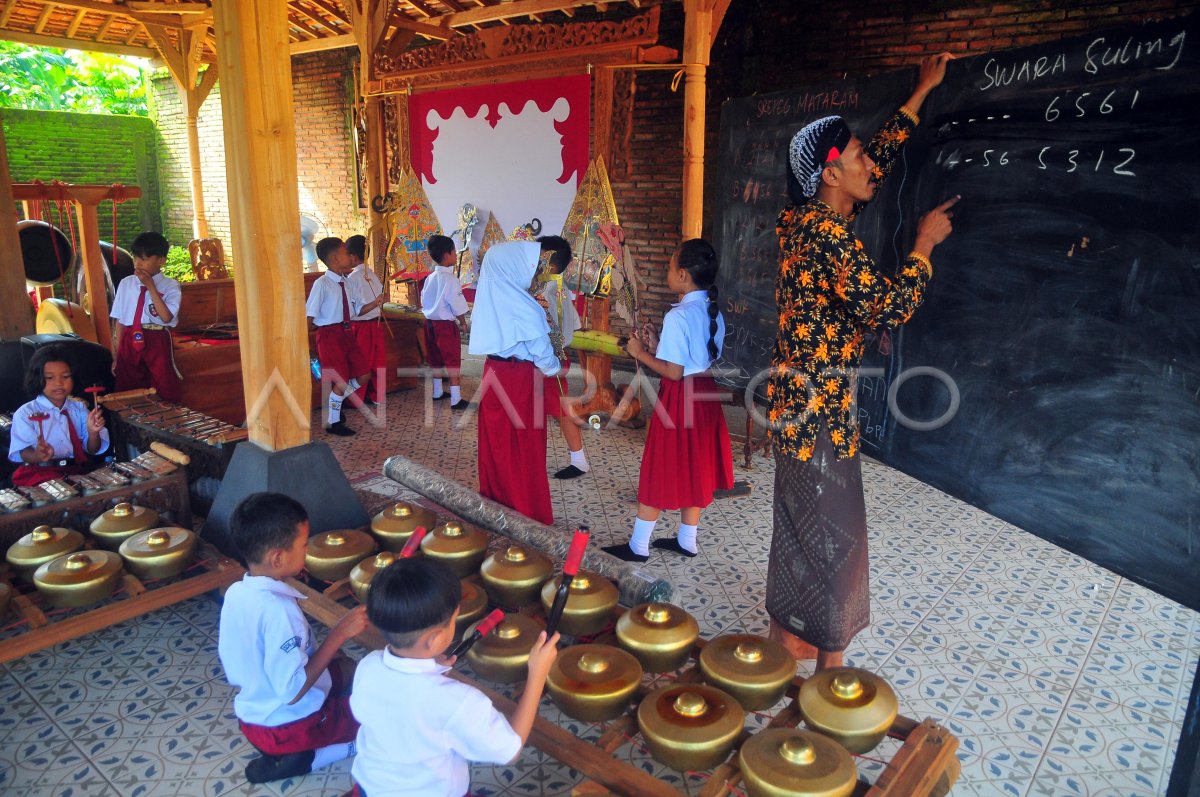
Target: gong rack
[[924, 766], [167, 495], [133, 598]]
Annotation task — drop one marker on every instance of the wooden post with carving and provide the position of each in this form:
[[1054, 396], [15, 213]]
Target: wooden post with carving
[[264, 218]]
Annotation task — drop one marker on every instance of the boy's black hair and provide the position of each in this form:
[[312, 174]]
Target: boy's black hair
[[698, 258], [410, 596], [357, 246], [439, 246], [150, 244], [263, 522], [35, 375], [560, 250], [327, 246]]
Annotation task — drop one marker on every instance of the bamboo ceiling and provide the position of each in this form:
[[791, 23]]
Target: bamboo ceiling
[[121, 26]]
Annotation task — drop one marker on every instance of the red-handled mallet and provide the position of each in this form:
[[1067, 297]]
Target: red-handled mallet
[[39, 418], [414, 543], [483, 629], [570, 568], [95, 390]]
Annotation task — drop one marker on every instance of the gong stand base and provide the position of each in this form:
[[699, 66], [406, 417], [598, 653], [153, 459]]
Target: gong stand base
[[309, 473]]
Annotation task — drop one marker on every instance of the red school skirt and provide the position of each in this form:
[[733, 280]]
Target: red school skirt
[[512, 438], [687, 456]]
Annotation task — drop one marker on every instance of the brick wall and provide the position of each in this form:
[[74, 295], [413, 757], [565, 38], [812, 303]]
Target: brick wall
[[324, 151], [89, 148]]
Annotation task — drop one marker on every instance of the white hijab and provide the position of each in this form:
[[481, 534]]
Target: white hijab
[[505, 314]]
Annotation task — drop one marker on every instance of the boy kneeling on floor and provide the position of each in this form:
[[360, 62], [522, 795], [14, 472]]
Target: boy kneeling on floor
[[293, 698], [420, 728]]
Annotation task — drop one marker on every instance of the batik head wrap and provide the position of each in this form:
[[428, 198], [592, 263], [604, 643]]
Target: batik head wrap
[[815, 145]]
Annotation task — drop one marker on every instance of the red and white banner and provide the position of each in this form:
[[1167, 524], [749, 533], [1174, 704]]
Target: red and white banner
[[518, 150]]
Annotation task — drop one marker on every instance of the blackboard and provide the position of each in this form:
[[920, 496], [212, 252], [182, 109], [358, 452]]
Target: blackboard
[[1053, 373]]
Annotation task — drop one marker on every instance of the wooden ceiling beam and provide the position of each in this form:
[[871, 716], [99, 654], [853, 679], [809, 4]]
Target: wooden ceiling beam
[[108, 23], [321, 45], [332, 10], [165, 17], [171, 54], [63, 43], [315, 17], [43, 18], [75, 23], [9, 7], [301, 25], [517, 8], [454, 5], [421, 8], [135, 30], [146, 7]]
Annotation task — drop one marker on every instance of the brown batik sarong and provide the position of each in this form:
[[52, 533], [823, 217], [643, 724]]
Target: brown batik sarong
[[817, 575]]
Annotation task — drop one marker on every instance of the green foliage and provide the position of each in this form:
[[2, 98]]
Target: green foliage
[[43, 78], [179, 265]]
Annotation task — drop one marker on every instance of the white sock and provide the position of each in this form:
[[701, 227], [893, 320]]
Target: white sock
[[579, 460], [437, 387], [455, 394], [324, 756], [687, 537], [639, 543], [353, 385], [335, 407]]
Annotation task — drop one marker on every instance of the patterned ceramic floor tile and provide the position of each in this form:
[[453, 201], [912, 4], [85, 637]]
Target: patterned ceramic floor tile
[[1058, 677]]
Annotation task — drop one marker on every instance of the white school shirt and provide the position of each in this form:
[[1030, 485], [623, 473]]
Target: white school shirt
[[125, 302], [367, 287], [419, 729], [324, 305], [684, 338], [264, 643], [24, 433], [442, 296]]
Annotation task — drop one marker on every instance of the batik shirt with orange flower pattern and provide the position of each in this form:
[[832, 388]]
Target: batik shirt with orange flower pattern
[[829, 293]]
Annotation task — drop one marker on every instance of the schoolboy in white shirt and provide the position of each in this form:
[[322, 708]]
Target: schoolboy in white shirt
[[146, 308], [331, 306], [445, 310], [368, 326], [419, 728], [292, 705]]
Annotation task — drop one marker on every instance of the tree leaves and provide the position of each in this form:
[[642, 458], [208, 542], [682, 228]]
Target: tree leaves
[[42, 78]]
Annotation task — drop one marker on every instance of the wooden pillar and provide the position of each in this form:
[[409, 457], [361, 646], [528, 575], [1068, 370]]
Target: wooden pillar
[[16, 313], [199, 219], [93, 269], [264, 216], [376, 177], [697, 38]]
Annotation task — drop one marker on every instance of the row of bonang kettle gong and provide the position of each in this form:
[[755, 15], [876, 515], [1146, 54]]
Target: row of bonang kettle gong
[[687, 726], [71, 574]]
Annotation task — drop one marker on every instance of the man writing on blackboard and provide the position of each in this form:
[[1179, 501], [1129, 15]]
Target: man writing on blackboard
[[830, 293]]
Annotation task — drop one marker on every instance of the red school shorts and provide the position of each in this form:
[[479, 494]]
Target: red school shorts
[[331, 724], [339, 353], [443, 340]]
